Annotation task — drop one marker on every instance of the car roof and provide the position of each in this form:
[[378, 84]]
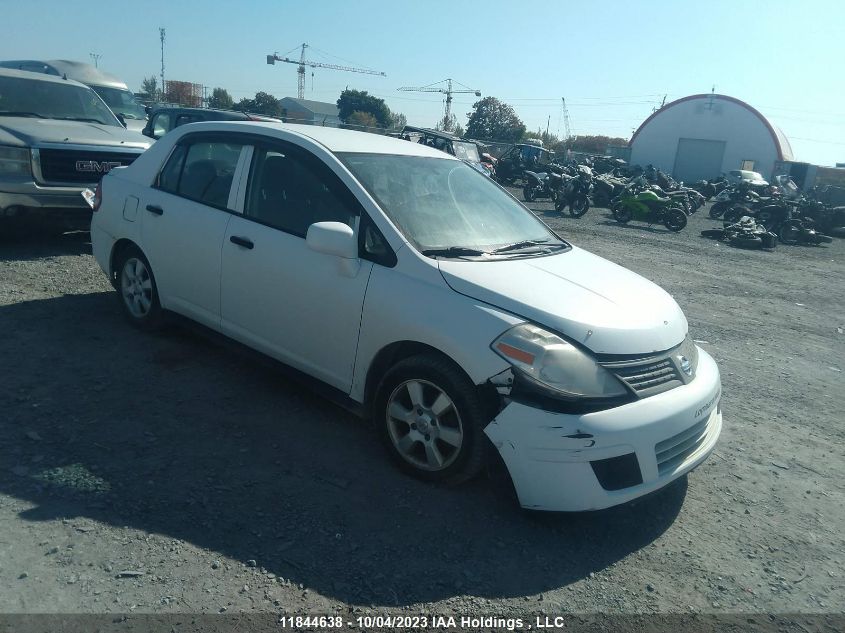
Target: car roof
[[25, 74], [334, 139], [183, 110]]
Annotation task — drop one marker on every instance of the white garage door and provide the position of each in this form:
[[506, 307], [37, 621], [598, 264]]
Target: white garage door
[[698, 159]]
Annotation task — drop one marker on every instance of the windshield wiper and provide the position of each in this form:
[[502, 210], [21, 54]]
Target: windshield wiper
[[32, 114], [518, 246], [79, 118], [453, 251]]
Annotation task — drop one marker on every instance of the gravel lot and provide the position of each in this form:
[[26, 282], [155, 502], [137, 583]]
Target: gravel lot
[[172, 473]]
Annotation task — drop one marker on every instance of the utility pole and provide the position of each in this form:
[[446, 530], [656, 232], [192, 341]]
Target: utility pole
[[96, 57], [161, 35]]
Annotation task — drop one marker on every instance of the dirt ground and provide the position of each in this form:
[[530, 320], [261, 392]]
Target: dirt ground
[[170, 473]]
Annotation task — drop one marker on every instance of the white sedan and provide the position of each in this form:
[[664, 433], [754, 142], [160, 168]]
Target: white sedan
[[425, 296]]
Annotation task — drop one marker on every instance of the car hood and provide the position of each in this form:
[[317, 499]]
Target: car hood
[[594, 302], [26, 132]]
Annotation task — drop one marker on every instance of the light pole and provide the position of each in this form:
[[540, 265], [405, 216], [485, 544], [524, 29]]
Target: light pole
[[96, 57]]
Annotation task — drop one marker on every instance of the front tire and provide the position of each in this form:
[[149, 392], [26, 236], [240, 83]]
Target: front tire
[[431, 419], [622, 214], [675, 220], [718, 209], [579, 206], [137, 290], [790, 232], [528, 193]]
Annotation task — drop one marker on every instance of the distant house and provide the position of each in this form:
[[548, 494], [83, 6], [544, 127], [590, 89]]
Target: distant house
[[311, 112]]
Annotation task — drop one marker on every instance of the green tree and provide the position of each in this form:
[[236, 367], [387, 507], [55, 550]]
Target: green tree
[[262, 103], [592, 144], [398, 120], [221, 99], [363, 121], [494, 120], [149, 86], [459, 131], [351, 101]]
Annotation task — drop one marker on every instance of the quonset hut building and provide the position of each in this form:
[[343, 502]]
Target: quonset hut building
[[703, 136]]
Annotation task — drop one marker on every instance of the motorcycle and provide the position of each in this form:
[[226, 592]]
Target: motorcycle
[[734, 197], [540, 185], [640, 202], [747, 233], [802, 231], [575, 192]]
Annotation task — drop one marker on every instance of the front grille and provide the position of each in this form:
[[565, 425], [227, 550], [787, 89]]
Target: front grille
[[80, 166], [674, 451], [647, 377]]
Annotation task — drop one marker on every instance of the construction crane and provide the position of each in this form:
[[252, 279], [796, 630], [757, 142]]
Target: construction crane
[[302, 63], [448, 91], [566, 126]]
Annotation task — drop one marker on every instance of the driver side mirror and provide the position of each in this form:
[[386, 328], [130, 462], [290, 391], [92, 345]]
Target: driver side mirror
[[332, 238], [121, 118]]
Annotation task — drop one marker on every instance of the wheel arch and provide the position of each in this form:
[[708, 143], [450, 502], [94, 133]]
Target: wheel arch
[[119, 246], [392, 353]]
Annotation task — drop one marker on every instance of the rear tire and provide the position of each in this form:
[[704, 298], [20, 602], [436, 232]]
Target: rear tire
[[747, 241], [431, 419], [137, 289]]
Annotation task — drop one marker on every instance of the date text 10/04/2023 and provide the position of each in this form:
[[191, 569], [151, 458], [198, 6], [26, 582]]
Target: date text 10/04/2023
[[420, 622]]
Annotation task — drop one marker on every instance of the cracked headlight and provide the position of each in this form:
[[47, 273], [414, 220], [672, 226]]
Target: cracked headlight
[[554, 366]]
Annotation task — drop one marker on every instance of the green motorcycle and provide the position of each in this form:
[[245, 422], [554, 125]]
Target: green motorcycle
[[639, 202]]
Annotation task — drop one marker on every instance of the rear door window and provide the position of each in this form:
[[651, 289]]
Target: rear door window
[[202, 171]]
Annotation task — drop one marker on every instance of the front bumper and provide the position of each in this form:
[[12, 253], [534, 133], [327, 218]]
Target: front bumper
[[565, 462], [18, 198]]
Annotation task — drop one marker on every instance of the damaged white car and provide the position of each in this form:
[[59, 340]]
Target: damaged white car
[[421, 294]]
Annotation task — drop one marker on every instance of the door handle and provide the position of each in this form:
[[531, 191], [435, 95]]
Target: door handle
[[241, 241], [155, 210]]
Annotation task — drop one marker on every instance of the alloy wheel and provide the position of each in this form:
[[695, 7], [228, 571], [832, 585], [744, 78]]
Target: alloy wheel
[[424, 425], [136, 287]]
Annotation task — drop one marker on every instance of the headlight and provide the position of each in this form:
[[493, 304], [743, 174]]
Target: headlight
[[14, 160], [557, 367]]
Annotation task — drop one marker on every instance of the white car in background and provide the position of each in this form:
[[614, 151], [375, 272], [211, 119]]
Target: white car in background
[[425, 296], [737, 176]]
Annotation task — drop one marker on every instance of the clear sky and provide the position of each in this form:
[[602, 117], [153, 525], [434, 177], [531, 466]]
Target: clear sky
[[612, 60]]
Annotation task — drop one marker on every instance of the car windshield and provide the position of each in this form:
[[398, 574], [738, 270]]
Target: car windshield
[[52, 100], [121, 102], [466, 151], [441, 204]]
